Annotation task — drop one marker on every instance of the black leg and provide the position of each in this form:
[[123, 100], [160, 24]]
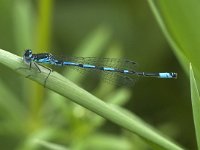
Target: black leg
[[38, 68], [36, 65], [29, 68], [50, 70], [30, 65]]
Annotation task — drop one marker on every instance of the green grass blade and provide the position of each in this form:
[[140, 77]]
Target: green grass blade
[[165, 25], [44, 24], [180, 25], [50, 146], [66, 88], [179, 21], [10, 101], [104, 141], [23, 23], [195, 104]]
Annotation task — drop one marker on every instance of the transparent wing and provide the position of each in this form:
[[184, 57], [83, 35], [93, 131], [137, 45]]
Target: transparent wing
[[101, 62], [116, 78]]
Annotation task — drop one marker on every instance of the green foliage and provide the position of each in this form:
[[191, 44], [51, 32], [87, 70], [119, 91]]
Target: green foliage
[[195, 104], [35, 118], [179, 22]]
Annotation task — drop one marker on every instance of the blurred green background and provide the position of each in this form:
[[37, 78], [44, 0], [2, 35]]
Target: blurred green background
[[125, 29]]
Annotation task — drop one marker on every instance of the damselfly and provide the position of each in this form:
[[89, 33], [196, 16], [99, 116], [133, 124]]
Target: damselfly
[[111, 68]]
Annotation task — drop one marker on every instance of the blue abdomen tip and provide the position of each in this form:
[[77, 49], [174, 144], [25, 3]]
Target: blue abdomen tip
[[168, 75]]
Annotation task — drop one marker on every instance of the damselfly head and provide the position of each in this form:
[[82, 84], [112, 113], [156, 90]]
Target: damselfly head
[[27, 55]]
